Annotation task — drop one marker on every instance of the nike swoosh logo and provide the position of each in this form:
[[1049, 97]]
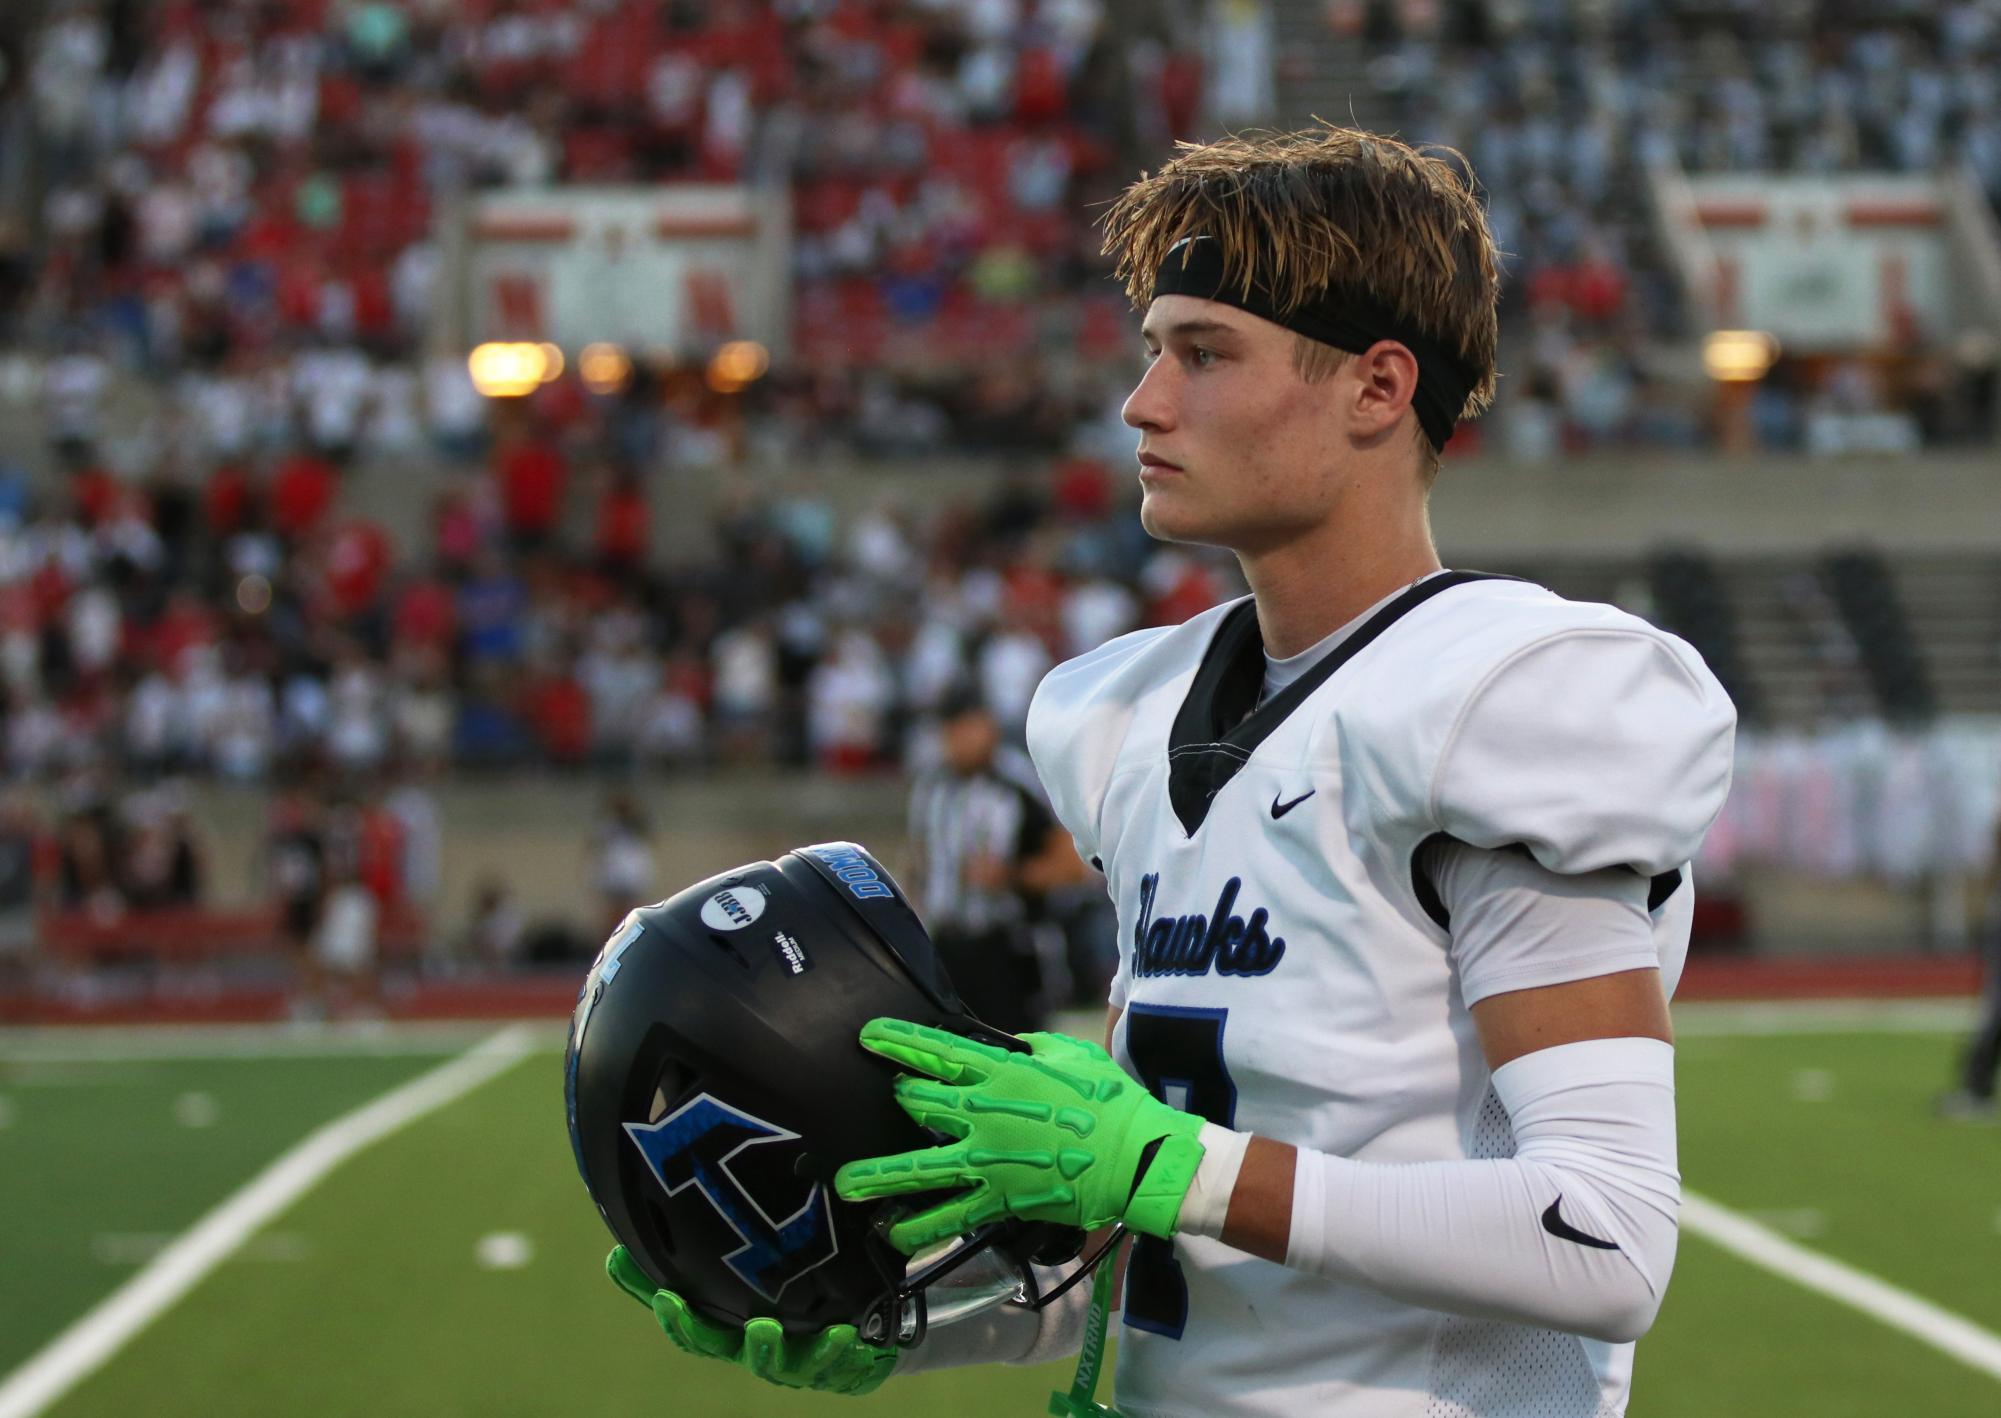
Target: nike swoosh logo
[[1554, 1223], [1279, 809]]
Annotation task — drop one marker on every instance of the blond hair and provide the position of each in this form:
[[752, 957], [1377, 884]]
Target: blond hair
[[1300, 214]]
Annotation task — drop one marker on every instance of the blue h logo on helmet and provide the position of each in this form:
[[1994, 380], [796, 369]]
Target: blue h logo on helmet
[[694, 1146]]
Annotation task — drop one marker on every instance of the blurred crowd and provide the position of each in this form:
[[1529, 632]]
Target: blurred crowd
[[1562, 105], [234, 199], [230, 204], [237, 195], [259, 629]]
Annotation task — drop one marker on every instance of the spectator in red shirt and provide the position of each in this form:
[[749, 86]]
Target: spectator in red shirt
[[227, 501], [426, 614], [95, 492], [1598, 286], [463, 518], [559, 714], [186, 622], [624, 527], [532, 476], [302, 490], [357, 564], [1082, 489], [379, 853]]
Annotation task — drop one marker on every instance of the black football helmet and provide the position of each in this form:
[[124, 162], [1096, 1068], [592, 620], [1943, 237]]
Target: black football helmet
[[714, 1084]]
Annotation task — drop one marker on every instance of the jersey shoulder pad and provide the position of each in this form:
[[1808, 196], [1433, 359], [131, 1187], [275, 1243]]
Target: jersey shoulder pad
[[1588, 736], [1084, 709]]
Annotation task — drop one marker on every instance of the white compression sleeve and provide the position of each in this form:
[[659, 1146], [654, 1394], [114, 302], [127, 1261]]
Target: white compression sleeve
[[1575, 1232], [1008, 1334]]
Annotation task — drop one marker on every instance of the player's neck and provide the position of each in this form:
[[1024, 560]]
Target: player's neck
[[1308, 589]]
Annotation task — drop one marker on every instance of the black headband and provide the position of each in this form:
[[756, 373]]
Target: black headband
[[1343, 317]]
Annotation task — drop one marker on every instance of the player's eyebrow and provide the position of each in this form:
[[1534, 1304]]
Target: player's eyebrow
[[1183, 329]]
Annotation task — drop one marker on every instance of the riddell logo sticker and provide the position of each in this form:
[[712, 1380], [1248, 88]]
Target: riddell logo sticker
[[791, 954], [732, 909]]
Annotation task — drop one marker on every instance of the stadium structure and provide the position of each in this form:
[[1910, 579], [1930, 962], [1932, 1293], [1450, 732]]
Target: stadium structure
[[468, 467]]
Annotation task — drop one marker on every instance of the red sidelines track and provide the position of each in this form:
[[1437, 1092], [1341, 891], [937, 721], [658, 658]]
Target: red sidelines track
[[554, 994]]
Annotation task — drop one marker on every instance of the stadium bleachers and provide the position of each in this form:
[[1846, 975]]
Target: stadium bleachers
[[1563, 107], [254, 526]]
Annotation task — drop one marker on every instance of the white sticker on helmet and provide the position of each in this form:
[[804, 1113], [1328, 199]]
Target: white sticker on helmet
[[732, 910]]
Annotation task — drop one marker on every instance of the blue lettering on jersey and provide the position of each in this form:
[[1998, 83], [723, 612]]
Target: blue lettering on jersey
[[1195, 944]]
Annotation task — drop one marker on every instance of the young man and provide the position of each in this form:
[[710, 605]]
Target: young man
[[1400, 857]]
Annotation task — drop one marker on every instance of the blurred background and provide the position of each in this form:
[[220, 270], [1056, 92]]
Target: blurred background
[[468, 467]]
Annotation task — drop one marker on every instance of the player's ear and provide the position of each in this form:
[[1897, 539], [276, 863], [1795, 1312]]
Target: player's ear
[[1383, 384]]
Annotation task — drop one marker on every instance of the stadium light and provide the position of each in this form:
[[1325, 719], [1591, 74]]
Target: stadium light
[[604, 368], [510, 370], [737, 365], [1739, 356]]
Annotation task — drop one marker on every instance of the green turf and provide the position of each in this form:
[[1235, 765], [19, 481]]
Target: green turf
[[96, 1166], [382, 1309], [390, 1314], [1734, 1340], [1898, 1192]]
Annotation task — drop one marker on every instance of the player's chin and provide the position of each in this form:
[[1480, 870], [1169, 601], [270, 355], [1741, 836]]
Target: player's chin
[[1171, 515]]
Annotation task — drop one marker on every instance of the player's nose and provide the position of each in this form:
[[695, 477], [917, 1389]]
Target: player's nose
[[1151, 403]]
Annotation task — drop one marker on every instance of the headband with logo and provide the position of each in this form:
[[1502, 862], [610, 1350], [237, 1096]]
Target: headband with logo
[[1345, 318]]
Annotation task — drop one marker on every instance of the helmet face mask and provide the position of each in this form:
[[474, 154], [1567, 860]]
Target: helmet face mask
[[714, 1084], [971, 1274]]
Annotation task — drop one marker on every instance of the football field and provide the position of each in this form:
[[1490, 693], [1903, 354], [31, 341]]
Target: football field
[[434, 1253]]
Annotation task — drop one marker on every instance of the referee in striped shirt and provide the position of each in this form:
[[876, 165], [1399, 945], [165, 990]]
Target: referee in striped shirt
[[986, 850]]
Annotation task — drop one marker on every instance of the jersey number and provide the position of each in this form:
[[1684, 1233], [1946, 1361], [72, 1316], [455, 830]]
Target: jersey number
[[1178, 1054]]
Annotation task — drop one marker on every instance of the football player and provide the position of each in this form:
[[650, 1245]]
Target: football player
[[1401, 863], [1400, 855]]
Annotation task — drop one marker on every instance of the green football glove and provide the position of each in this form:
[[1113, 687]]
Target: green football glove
[[835, 1360], [1060, 1134]]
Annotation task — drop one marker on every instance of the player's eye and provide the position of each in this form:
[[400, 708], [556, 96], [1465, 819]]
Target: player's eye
[[1203, 358]]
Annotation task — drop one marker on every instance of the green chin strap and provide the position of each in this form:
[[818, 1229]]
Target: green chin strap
[[1080, 1402]]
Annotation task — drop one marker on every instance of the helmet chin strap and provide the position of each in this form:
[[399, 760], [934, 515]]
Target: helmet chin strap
[[1081, 1400]]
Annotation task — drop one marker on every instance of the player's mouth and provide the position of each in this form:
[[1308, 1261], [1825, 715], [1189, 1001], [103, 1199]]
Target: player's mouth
[[1152, 465]]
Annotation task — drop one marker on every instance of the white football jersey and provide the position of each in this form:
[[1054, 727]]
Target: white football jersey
[[1285, 969]]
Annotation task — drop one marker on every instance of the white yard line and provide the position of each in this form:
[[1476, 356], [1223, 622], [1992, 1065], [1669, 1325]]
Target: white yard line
[[1900, 1309], [87, 1344], [1713, 1018]]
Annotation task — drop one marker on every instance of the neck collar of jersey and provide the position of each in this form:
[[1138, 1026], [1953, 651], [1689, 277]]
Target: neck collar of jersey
[[1220, 723]]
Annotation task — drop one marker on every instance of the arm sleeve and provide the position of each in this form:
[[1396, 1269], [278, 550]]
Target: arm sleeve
[[1575, 1232], [1589, 748], [1517, 925]]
